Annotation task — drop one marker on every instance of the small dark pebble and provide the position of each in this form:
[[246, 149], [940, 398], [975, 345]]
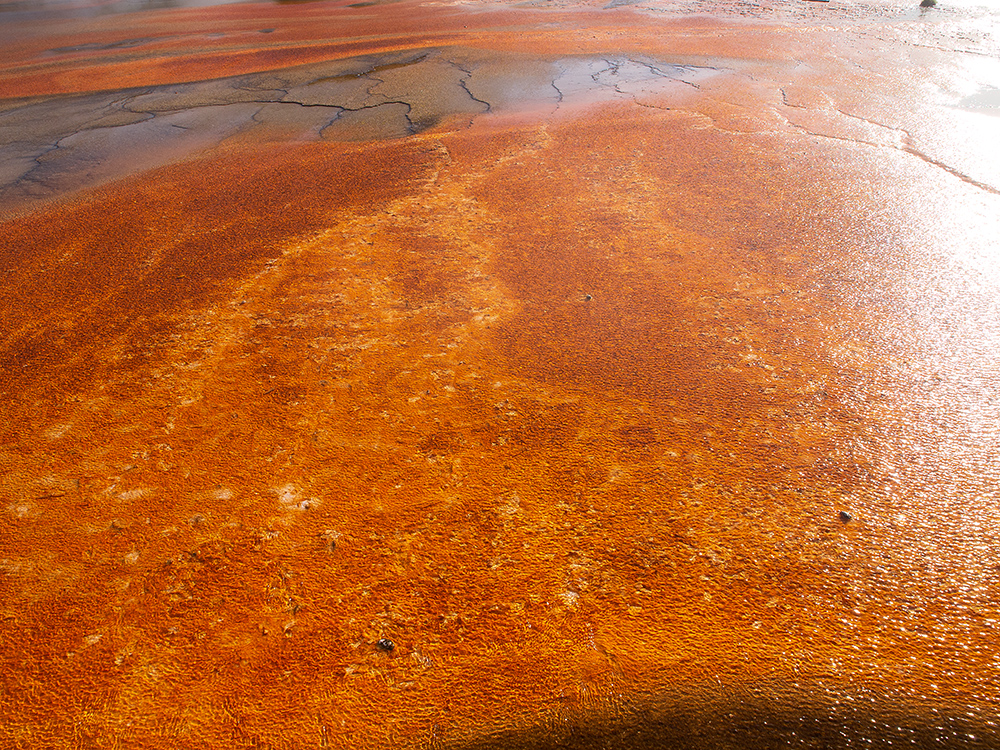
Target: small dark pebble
[[928, 3], [587, 297], [384, 644], [846, 517], [329, 540]]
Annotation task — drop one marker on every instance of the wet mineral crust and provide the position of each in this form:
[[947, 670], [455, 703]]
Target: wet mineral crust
[[400, 375]]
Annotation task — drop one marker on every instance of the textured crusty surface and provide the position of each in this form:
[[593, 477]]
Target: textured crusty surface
[[631, 369]]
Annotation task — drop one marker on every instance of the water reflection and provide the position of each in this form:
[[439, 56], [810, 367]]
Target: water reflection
[[94, 8]]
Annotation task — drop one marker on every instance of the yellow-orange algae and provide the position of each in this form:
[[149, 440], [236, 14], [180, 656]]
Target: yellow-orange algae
[[566, 409]]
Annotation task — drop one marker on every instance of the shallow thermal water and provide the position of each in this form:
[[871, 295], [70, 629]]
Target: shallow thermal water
[[499, 375]]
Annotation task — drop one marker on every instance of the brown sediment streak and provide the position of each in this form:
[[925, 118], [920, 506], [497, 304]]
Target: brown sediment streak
[[566, 402], [183, 68]]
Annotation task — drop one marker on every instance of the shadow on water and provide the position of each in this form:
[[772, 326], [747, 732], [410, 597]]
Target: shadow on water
[[986, 100], [773, 715]]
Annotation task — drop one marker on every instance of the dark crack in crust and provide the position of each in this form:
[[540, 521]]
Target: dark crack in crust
[[57, 145]]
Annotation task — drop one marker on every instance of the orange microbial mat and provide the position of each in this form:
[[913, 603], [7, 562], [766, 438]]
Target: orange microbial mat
[[480, 375]]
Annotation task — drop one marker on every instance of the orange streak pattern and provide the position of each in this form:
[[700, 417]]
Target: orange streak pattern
[[566, 407]]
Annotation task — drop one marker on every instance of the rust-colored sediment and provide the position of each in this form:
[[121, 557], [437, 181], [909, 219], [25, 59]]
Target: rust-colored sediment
[[566, 404]]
